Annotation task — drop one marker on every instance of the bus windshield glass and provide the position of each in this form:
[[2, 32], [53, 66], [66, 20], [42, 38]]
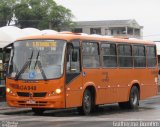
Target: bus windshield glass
[[37, 59]]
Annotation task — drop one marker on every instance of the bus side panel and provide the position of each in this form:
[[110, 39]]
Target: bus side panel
[[95, 76], [149, 84], [109, 78], [106, 86], [123, 79]]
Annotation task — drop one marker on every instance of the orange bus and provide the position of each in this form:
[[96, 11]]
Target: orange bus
[[68, 70]]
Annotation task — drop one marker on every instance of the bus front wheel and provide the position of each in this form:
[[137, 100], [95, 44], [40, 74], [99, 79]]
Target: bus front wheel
[[87, 103]]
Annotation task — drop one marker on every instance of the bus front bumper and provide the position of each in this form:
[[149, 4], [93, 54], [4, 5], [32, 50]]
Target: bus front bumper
[[46, 102]]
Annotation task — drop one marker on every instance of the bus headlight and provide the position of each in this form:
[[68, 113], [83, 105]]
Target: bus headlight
[[58, 91], [8, 90]]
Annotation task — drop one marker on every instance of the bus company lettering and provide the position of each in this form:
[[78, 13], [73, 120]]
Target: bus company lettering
[[23, 87]]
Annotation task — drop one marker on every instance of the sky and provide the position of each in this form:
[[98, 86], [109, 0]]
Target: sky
[[145, 12]]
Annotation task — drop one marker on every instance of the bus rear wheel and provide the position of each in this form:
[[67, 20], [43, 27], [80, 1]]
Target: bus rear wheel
[[38, 111], [87, 103], [133, 102]]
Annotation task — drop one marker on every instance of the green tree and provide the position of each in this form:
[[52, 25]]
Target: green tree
[[42, 14], [6, 11]]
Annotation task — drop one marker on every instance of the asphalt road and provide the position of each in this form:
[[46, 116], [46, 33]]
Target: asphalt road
[[110, 115]]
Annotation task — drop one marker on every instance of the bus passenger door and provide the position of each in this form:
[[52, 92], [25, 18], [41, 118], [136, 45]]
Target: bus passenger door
[[73, 75]]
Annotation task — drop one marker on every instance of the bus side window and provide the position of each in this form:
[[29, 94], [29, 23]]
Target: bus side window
[[139, 56], [151, 56], [90, 54], [109, 55], [125, 55], [73, 59]]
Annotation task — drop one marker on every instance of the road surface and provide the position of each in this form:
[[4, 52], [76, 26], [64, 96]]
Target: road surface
[[110, 115]]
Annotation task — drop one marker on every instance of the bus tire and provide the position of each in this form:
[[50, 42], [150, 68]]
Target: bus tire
[[133, 102], [38, 111], [87, 103]]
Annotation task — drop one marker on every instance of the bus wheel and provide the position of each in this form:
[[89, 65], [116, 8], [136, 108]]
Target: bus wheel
[[38, 111], [86, 103], [133, 102]]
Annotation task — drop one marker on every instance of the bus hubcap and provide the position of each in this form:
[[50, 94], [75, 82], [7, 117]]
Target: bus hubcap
[[134, 98], [87, 103]]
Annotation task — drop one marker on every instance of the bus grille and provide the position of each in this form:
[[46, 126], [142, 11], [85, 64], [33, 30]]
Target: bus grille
[[27, 94]]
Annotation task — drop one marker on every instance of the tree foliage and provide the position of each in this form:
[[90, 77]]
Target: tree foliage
[[6, 11], [41, 14]]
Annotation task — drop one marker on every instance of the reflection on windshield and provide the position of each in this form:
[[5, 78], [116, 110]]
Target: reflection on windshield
[[37, 59]]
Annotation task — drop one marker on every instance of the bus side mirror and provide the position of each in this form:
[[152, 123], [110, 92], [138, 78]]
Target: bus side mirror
[[159, 72]]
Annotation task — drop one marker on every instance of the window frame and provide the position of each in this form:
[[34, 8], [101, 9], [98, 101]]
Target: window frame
[[99, 53], [139, 56], [116, 55], [147, 56], [127, 43]]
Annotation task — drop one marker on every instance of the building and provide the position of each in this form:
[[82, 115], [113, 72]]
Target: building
[[117, 28]]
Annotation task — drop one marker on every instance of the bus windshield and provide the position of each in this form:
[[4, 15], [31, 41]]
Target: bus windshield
[[37, 59]]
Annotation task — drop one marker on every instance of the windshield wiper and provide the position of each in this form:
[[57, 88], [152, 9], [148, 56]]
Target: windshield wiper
[[40, 67], [22, 70], [36, 60], [24, 67], [30, 59], [42, 71]]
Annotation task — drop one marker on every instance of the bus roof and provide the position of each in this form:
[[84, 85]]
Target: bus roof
[[71, 36]]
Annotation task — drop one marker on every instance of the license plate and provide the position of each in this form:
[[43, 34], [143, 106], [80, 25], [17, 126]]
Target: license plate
[[30, 102]]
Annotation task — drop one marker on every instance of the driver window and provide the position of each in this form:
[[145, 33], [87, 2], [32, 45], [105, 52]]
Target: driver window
[[73, 57]]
